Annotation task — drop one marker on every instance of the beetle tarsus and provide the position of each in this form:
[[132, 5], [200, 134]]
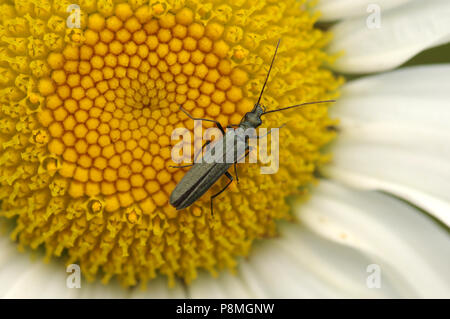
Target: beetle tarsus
[[181, 166]]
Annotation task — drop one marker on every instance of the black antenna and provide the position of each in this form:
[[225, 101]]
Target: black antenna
[[290, 107], [268, 73]]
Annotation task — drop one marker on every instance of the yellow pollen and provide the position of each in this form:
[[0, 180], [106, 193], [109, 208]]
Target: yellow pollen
[[87, 116]]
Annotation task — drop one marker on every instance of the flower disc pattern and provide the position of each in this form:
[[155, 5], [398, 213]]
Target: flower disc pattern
[[87, 116]]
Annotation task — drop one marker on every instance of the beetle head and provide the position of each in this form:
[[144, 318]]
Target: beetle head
[[253, 118]]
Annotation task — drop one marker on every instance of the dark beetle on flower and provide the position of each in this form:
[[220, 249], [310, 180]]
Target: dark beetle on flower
[[202, 176]]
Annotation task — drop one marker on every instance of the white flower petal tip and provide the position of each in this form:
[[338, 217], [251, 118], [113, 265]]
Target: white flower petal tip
[[24, 277], [434, 206], [409, 250], [302, 264], [403, 32], [394, 136], [332, 10], [20, 277]]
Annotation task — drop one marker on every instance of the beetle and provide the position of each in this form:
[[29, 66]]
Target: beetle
[[203, 175]]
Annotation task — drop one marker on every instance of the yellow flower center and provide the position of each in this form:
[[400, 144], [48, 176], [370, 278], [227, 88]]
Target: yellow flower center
[[87, 116]]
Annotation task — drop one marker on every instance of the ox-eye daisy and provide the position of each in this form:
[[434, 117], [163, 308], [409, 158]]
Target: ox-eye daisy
[[86, 117]]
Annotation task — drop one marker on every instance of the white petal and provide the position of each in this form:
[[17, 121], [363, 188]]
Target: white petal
[[298, 264], [302, 264], [413, 251], [405, 31], [23, 277], [395, 136], [332, 10], [159, 289], [97, 290], [20, 277], [39, 280]]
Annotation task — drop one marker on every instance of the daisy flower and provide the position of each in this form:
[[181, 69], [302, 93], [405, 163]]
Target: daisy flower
[[90, 94]]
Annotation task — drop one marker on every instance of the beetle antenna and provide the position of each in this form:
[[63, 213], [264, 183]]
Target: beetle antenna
[[298, 105], [268, 73]]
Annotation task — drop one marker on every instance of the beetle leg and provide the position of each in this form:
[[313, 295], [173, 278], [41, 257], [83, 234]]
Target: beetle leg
[[196, 156], [181, 166], [200, 119], [226, 186], [258, 137], [245, 155], [235, 165]]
